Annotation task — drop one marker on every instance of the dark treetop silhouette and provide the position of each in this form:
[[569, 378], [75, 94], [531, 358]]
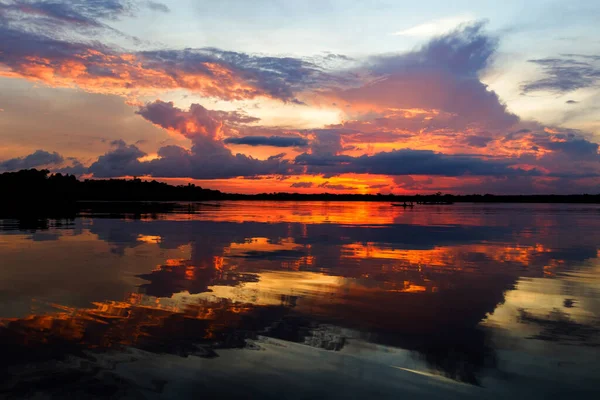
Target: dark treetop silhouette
[[54, 192]]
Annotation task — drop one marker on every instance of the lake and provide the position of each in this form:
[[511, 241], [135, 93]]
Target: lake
[[303, 300]]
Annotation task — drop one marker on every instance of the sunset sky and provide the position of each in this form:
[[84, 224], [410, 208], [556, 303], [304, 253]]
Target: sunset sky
[[310, 96]]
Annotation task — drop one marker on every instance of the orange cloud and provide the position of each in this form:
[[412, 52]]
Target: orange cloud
[[130, 75]]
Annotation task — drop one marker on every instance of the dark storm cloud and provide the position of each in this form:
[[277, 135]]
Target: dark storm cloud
[[565, 74], [37, 159], [406, 162], [274, 141]]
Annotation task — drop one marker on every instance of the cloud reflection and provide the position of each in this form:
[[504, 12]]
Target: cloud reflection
[[315, 274]]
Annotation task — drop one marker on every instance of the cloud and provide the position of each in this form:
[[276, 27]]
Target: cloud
[[577, 147], [395, 105], [177, 162], [274, 141], [478, 140], [376, 137], [327, 141], [435, 27], [407, 162], [60, 44], [565, 74], [77, 168], [441, 76], [194, 123], [465, 52], [156, 6], [407, 182], [277, 77], [303, 185], [208, 157], [401, 80], [38, 158], [537, 152], [121, 161], [560, 153], [553, 142], [75, 13], [327, 185], [379, 186], [68, 20], [118, 143], [209, 72]]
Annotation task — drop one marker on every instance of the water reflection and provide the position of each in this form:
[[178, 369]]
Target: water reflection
[[460, 288]]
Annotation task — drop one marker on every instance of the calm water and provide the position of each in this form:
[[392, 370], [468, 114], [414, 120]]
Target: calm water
[[303, 300]]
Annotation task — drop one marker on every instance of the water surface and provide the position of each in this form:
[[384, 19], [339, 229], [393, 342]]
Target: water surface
[[303, 300]]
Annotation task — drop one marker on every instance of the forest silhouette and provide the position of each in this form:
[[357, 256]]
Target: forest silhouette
[[40, 191]]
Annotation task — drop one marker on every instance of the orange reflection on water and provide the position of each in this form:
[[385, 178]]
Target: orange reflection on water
[[318, 212], [140, 321], [152, 239], [453, 257], [260, 244], [216, 303], [437, 257], [331, 212]]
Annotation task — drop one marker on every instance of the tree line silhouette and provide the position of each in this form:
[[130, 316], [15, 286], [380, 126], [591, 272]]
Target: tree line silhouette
[[40, 190]]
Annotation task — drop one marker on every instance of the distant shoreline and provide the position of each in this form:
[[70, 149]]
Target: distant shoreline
[[462, 199], [39, 192], [32, 215]]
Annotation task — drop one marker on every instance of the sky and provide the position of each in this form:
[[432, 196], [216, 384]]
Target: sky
[[333, 96]]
